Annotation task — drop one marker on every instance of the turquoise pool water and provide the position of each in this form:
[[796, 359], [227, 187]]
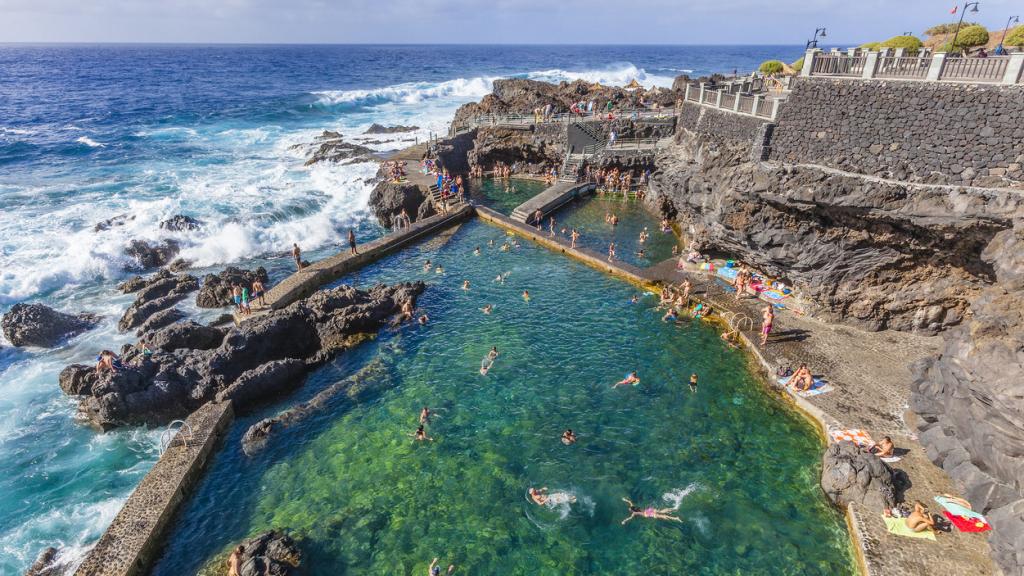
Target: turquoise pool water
[[364, 498], [588, 215], [504, 194]]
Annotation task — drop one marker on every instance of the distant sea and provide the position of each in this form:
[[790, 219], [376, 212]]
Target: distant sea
[[88, 132]]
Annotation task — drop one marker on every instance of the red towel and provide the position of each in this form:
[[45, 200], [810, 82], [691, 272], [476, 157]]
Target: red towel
[[967, 524]]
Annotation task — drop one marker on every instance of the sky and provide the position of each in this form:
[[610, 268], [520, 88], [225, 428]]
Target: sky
[[481, 21]]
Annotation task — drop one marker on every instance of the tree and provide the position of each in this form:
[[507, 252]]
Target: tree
[[910, 43], [771, 67], [947, 28], [798, 65], [1015, 37], [871, 46], [971, 36]]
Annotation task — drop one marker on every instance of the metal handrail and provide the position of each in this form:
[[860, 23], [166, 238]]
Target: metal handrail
[[169, 434]]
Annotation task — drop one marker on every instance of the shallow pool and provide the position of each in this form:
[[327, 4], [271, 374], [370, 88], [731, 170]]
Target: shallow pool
[[738, 466], [504, 194], [588, 217]]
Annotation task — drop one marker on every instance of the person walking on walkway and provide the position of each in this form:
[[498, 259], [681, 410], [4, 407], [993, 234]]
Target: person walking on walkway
[[297, 254], [766, 323], [352, 242]]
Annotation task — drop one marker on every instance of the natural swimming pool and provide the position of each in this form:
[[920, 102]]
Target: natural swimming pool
[[504, 194], [588, 217], [740, 467]]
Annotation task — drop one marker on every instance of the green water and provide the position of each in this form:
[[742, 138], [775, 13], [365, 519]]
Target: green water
[[504, 194], [365, 499], [588, 217]]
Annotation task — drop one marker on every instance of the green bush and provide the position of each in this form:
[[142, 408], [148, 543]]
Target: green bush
[[911, 43], [948, 28], [771, 67], [971, 36], [1015, 37], [871, 45], [798, 65]]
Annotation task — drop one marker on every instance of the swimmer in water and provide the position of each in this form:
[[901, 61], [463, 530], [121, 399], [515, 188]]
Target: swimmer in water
[[631, 378], [526, 295], [500, 278], [656, 513], [488, 361], [423, 319], [487, 309], [465, 284], [435, 569], [425, 415], [641, 254], [420, 435], [568, 437], [439, 270], [427, 266], [490, 243], [476, 252], [671, 315], [505, 247], [693, 382], [539, 495], [634, 299]]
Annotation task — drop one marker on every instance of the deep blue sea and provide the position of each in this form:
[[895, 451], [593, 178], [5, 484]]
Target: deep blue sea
[[88, 132]]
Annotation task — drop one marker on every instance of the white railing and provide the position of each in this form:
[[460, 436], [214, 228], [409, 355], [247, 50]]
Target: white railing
[[938, 67], [991, 69], [902, 67], [762, 105]]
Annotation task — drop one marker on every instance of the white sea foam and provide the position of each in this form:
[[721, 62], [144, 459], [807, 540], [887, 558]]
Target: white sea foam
[[89, 142], [409, 93], [675, 497], [16, 131], [617, 75]]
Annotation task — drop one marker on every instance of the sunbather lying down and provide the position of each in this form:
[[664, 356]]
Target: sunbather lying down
[[801, 380]]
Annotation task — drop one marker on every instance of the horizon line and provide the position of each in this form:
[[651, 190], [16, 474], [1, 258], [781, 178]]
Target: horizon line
[[453, 44]]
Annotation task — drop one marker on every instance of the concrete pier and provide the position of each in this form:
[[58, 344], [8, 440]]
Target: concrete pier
[[551, 199], [133, 540]]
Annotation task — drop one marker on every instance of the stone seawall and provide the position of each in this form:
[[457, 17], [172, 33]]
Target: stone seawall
[[931, 132], [133, 539], [737, 128]]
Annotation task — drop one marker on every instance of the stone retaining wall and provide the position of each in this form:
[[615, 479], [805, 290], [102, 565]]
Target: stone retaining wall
[[740, 128], [940, 133], [132, 541]]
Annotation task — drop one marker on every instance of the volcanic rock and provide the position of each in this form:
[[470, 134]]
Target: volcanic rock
[[154, 294], [388, 199], [180, 223], [148, 256], [159, 320], [119, 220], [216, 288], [849, 474], [42, 326], [330, 147], [270, 554], [380, 129], [47, 564]]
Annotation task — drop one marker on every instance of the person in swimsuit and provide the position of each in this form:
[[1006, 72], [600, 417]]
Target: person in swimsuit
[[730, 338], [236, 296], [107, 360], [611, 251], [476, 251], [630, 378], [427, 266], [297, 255], [407, 311], [420, 435], [634, 299], [693, 382], [487, 309], [439, 270], [574, 236], [425, 415], [920, 520], [245, 301], [352, 242], [883, 449], [768, 318], [423, 319], [670, 316], [526, 295], [235, 561], [435, 569], [258, 291], [539, 495], [465, 284], [655, 513], [568, 437], [488, 361], [801, 380]]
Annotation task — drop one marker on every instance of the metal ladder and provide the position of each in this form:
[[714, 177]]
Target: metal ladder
[[170, 433]]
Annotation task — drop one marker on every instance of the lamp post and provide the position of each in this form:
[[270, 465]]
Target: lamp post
[[818, 32], [974, 8], [1010, 20]]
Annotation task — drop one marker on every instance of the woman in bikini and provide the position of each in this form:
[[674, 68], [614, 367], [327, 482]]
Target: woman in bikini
[[655, 513], [801, 380]]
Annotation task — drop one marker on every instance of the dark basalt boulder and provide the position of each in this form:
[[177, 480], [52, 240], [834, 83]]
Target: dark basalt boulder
[[849, 474], [215, 291], [42, 326], [381, 129], [47, 564], [181, 223], [272, 553], [147, 256], [155, 294], [159, 320], [265, 356], [109, 223], [388, 199], [329, 147]]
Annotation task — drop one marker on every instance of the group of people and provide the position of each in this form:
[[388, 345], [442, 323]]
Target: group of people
[[451, 189], [395, 169], [243, 296]]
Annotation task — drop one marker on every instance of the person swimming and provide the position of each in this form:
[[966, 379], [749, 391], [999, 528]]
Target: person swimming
[[671, 315], [427, 266], [488, 361], [439, 269], [693, 382], [465, 285], [630, 378], [526, 295], [476, 251], [423, 319], [649, 512], [435, 569], [487, 309], [539, 495], [634, 299], [421, 435], [425, 415], [568, 437]]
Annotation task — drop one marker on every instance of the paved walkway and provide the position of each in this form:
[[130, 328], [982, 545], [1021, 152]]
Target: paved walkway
[[871, 374], [550, 199]]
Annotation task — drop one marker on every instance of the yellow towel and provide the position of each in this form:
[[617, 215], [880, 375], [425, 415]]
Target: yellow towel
[[899, 526]]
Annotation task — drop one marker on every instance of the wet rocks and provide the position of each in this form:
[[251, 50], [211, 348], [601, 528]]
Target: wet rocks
[[42, 326], [119, 220], [151, 255], [329, 147], [47, 564], [388, 199], [154, 294], [272, 553], [180, 223], [380, 129], [159, 320], [849, 474], [191, 364], [216, 288]]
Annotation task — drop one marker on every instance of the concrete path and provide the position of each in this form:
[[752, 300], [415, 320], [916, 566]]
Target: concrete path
[[550, 200]]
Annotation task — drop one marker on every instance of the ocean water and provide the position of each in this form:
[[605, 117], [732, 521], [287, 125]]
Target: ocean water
[[89, 132], [737, 466]]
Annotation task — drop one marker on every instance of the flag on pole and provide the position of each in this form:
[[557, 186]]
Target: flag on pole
[[953, 11]]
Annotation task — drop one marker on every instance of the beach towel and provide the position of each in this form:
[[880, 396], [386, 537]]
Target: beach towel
[[728, 273], [899, 527], [773, 294], [965, 519], [820, 386], [855, 435], [890, 459]]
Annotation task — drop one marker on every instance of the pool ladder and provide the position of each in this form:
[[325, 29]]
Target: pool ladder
[[184, 430]]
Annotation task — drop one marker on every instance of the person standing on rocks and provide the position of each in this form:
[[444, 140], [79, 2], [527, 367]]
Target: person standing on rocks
[[236, 295], [352, 242], [235, 561], [297, 255], [258, 291], [768, 318]]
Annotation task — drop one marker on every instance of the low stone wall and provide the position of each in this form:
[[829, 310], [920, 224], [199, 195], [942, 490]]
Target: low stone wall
[[133, 539], [932, 132], [739, 128], [305, 282]]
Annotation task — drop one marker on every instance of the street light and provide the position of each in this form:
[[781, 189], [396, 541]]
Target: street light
[[974, 8], [1010, 20], [818, 32]]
